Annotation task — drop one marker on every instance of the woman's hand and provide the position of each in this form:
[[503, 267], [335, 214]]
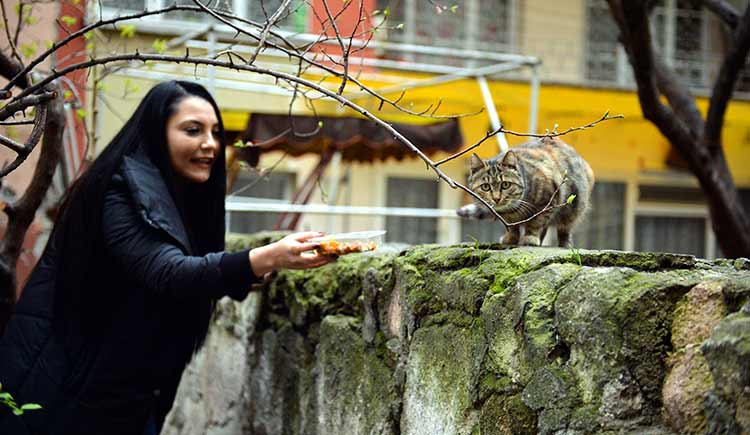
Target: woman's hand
[[291, 252]]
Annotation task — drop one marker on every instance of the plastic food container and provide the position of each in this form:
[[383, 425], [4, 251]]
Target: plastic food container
[[348, 243]]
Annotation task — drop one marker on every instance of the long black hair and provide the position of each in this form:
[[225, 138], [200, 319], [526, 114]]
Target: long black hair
[[77, 231]]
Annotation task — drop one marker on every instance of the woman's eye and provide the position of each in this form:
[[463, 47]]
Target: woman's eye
[[192, 131], [486, 187], [505, 184]]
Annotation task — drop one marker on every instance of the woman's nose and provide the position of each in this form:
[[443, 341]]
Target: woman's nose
[[210, 142]]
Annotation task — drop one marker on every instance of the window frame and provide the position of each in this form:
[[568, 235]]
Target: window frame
[[623, 73]]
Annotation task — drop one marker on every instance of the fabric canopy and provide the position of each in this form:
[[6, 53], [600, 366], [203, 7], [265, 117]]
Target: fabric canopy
[[358, 140]]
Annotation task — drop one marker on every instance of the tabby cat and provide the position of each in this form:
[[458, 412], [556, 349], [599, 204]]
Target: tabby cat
[[521, 181]]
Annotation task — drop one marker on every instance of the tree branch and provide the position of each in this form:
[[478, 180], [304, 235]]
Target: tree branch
[[724, 85], [724, 10], [632, 19]]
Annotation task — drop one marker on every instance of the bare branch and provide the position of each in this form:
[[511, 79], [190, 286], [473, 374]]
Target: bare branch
[[40, 120], [554, 133], [724, 85], [724, 10], [13, 48], [267, 27], [22, 103], [632, 19]]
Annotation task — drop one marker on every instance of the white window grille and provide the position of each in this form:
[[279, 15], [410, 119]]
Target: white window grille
[[680, 31], [474, 24], [294, 17]]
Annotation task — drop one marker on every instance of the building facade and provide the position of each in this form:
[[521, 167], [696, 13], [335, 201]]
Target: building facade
[[640, 202]]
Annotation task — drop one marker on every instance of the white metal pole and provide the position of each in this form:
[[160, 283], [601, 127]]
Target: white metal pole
[[333, 189], [211, 68], [534, 99], [489, 103]]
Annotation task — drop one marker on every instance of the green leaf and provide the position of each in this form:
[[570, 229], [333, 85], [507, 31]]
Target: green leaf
[[31, 406], [159, 45], [101, 86], [68, 20], [127, 30], [130, 87], [239, 144], [454, 8], [5, 396], [89, 46], [81, 113], [320, 124], [28, 50], [570, 199], [386, 12], [49, 44], [88, 35], [67, 94], [17, 411], [75, 2], [30, 20]]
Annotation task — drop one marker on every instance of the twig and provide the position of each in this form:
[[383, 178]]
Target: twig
[[267, 27], [554, 133], [280, 75], [7, 32]]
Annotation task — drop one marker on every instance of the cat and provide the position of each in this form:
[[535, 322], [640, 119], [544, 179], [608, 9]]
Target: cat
[[520, 182]]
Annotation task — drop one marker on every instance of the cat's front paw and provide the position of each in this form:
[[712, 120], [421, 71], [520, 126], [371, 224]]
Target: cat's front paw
[[468, 211], [510, 238], [530, 240]]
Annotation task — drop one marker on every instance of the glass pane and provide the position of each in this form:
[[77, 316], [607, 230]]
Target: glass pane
[[603, 225], [670, 234], [494, 25], [601, 43], [276, 185], [485, 231], [293, 18], [415, 193], [134, 5]]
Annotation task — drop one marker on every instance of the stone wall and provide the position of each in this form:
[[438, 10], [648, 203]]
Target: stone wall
[[479, 339]]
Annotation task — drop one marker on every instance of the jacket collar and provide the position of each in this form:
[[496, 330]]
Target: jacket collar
[[155, 204]]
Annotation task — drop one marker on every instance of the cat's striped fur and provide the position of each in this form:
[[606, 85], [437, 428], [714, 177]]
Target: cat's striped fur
[[521, 181]]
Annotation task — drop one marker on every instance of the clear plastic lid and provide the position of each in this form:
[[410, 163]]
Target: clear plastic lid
[[372, 235]]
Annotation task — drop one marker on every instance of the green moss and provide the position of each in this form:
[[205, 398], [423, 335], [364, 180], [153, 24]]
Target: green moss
[[507, 415]]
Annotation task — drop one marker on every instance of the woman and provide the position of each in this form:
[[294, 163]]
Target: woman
[[122, 296]]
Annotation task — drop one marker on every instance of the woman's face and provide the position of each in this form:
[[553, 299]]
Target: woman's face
[[193, 139]]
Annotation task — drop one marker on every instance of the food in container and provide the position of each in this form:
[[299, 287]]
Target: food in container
[[348, 243]]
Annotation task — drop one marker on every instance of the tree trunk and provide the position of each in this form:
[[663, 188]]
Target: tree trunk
[[21, 213]]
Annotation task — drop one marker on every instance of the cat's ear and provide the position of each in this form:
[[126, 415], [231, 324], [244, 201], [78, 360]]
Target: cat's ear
[[510, 160], [475, 163]]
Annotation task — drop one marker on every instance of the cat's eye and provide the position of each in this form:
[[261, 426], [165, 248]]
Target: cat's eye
[[486, 187], [505, 185]]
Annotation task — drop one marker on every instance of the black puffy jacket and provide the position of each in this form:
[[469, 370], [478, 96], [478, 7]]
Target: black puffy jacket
[[154, 300]]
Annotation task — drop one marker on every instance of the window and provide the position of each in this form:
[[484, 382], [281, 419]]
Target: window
[[414, 193], [473, 24], [294, 18], [485, 231], [275, 186], [679, 29], [681, 235], [603, 225], [134, 5], [602, 63]]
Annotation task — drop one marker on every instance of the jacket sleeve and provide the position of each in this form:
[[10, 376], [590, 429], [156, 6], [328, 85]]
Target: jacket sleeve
[[153, 260]]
